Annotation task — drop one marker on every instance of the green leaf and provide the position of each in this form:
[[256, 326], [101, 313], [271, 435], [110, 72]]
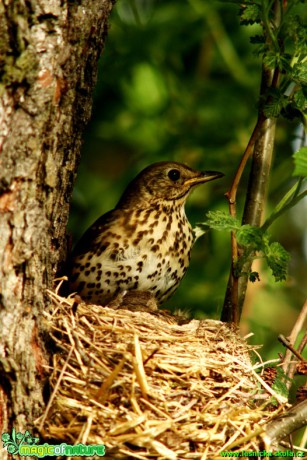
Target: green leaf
[[300, 162], [250, 14], [271, 59], [279, 384], [276, 102], [282, 61], [299, 73], [254, 240], [300, 99], [219, 220], [273, 108], [257, 39], [250, 236], [277, 258]]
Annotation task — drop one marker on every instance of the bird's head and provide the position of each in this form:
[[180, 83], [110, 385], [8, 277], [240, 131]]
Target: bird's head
[[167, 181]]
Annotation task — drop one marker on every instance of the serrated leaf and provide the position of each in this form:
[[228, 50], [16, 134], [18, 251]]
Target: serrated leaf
[[257, 39], [277, 258], [270, 60], [250, 14], [299, 73], [248, 235], [279, 384], [300, 162], [276, 103], [219, 220], [272, 109], [274, 59], [300, 99]]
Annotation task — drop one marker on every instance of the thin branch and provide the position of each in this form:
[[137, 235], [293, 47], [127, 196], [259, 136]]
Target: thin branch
[[232, 192], [288, 367], [261, 146], [278, 428], [292, 420], [258, 182], [282, 339], [303, 344], [230, 310]]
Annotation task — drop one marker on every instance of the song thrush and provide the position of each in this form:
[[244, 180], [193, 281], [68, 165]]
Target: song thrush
[[144, 243]]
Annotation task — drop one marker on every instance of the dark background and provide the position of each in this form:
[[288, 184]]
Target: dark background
[[180, 81]]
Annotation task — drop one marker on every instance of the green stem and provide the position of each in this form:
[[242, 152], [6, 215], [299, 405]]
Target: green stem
[[288, 196], [135, 12], [266, 7], [281, 211], [222, 40]]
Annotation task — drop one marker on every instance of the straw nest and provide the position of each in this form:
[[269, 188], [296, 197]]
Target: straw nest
[[147, 386]]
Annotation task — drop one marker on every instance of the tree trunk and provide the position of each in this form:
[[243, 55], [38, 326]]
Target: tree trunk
[[48, 64]]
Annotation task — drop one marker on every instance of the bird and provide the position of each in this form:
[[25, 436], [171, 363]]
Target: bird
[[144, 243]]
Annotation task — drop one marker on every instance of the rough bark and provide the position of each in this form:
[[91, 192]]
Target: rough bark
[[48, 64]]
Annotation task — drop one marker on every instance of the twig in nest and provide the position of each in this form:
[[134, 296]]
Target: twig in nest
[[50, 402]]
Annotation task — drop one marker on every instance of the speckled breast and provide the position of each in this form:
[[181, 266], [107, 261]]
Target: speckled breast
[[147, 249]]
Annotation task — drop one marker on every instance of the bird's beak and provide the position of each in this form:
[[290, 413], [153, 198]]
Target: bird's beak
[[205, 176]]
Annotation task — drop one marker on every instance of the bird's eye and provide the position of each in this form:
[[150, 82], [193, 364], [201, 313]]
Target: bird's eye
[[174, 174]]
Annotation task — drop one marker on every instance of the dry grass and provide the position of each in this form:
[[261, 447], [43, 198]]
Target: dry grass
[[147, 387]]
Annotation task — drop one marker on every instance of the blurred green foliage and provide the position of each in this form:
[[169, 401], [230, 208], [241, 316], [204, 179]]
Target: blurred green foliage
[[180, 81]]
